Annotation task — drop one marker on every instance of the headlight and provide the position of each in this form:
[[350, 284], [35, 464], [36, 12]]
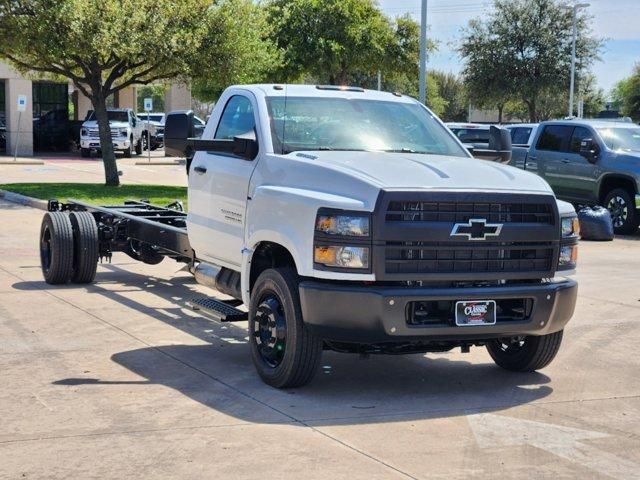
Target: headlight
[[84, 132], [342, 256], [348, 225], [124, 132], [568, 257], [570, 227]]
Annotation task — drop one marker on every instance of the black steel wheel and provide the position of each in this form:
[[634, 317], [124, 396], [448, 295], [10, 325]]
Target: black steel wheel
[[86, 247], [525, 353], [624, 215], [56, 248], [283, 351]]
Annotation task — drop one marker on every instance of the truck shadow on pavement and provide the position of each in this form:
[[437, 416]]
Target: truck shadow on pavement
[[347, 389]]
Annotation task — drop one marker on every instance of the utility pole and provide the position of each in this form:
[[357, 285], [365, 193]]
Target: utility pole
[[423, 53], [573, 51]]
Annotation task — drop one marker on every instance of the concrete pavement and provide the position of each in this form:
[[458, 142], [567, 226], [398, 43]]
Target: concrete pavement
[[73, 168], [120, 380]]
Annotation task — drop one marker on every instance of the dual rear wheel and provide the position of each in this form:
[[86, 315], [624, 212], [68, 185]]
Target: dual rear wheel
[[69, 247]]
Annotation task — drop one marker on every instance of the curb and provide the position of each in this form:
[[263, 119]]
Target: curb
[[23, 200], [160, 162], [21, 162]]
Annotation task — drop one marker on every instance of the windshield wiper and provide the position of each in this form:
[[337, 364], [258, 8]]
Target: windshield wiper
[[407, 150]]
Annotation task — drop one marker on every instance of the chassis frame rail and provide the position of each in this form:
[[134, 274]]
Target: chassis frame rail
[[135, 225]]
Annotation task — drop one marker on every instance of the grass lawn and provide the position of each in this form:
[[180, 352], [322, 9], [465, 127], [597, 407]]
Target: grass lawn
[[100, 194]]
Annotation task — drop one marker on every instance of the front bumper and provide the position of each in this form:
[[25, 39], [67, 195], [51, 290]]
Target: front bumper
[[378, 314], [94, 143]]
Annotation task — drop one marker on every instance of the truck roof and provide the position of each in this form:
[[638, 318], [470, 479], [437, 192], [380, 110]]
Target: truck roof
[[329, 91], [595, 123]]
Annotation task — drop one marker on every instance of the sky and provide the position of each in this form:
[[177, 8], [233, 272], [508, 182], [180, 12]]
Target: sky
[[616, 21]]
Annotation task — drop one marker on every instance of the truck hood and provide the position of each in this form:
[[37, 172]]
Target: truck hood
[[94, 124], [438, 172]]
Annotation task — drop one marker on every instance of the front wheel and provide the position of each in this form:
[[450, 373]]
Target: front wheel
[[624, 215], [283, 351], [525, 353], [139, 146]]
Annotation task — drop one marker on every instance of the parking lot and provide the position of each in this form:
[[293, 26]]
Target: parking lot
[[121, 379]]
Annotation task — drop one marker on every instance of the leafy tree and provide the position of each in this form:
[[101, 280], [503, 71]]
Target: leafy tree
[[626, 95], [330, 39], [523, 51], [156, 92], [238, 50], [103, 46], [452, 90]]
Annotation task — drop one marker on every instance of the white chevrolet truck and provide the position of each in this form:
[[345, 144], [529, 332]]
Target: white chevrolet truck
[[349, 220], [128, 133]]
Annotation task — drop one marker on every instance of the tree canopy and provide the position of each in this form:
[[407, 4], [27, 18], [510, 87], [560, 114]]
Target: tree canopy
[[522, 51], [626, 95], [103, 46]]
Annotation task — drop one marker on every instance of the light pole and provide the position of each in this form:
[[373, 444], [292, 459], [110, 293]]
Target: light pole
[[575, 8], [423, 53]]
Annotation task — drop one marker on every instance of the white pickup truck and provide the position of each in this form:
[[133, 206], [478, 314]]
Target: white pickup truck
[[349, 220], [127, 132]]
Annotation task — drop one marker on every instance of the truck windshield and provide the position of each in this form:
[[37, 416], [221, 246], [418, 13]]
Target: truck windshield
[[114, 116], [312, 123], [621, 138]]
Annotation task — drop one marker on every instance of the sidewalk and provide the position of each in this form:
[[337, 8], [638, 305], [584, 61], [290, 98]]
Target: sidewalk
[[71, 167]]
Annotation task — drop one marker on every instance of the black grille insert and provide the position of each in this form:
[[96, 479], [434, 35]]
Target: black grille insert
[[461, 257], [417, 211]]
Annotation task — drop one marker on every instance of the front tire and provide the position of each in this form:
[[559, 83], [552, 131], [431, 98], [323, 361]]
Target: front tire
[[284, 352], [129, 150], [624, 215], [85, 152], [139, 147], [525, 354]]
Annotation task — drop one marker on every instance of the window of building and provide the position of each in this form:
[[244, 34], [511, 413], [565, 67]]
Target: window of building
[[51, 128]]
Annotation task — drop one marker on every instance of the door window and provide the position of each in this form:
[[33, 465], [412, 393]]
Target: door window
[[579, 134], [520, 135], [555, 138], [237, 118]]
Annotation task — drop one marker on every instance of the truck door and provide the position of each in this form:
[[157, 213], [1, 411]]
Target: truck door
[[550, 157], [581, 175], [218, 186]]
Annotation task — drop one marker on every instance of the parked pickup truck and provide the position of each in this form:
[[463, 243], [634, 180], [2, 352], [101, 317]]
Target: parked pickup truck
[[349, 220], [126, 132], [589, 162]]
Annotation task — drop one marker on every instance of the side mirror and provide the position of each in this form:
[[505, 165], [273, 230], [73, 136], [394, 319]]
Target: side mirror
[[589, 150], [180, 141], [178, 128], [246, 145], [499, 149]]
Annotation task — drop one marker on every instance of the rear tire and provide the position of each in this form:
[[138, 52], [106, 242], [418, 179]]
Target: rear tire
[[525, 354], [56, 248], [86, 247], [624, 215], [284, 352]]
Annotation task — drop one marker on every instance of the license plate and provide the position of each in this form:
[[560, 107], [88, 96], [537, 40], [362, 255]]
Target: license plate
[[475, 312]]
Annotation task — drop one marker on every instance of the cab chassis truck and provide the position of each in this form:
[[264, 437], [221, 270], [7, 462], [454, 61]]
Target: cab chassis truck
[[346, 220]]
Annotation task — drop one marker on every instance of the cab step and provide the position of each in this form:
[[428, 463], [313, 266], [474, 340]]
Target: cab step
[[225, 311]]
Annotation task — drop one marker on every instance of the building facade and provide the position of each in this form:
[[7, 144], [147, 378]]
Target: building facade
[[55, 110]]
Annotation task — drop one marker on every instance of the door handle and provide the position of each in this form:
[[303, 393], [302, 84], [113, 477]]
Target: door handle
[[200, 170], [564, 160]]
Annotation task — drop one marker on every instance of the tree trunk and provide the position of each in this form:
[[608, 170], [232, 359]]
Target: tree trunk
[[531, 105], [500, 110], [106, 144]]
